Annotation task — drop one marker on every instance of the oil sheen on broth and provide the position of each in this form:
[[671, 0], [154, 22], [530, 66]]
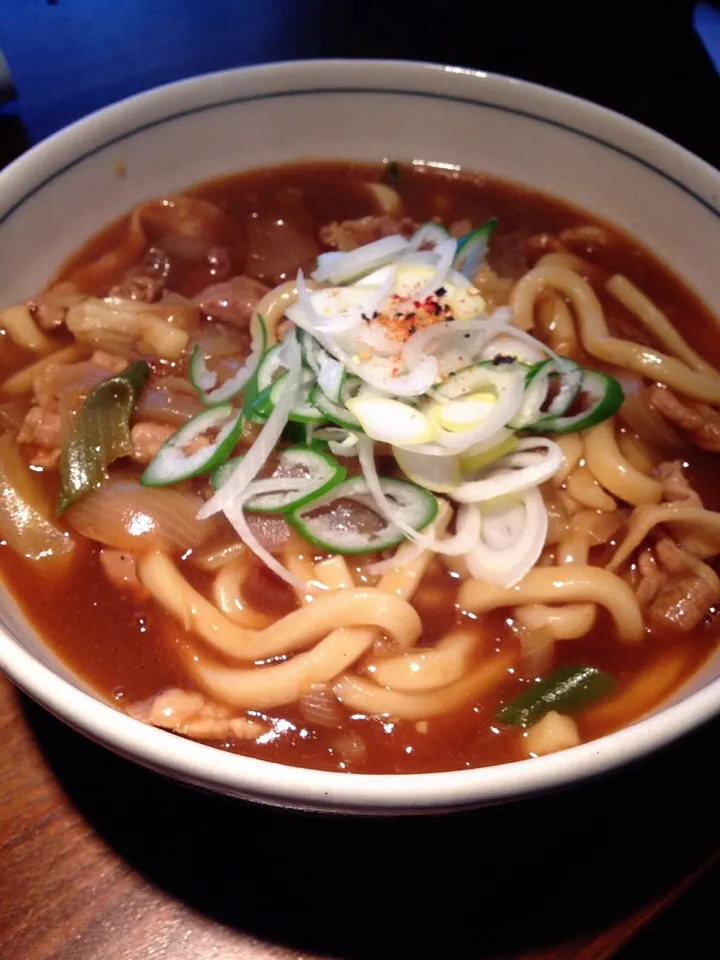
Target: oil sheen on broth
[[270, 222]]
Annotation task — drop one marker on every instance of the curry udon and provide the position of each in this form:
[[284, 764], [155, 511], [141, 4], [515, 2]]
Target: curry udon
[[365, 468]]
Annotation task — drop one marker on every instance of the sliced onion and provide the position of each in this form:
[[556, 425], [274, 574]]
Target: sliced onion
[[330, 378], [380, 374], [435, 339], [467, 533], [326, 261], [465, 412], [506, 327], [313, 353], [305, 305], [430, 234], [533, 461], [441, 474], [320, 707], [430, 258], [375, 336], [303, 315], [234, 512], [481, 455], [446, 254], [459, 349], [342, 442], [361, 260], [510, 389], [344, 448], [507, 345], [125, 515], [650, 425], [427, 341], [366, 454], [24, 511], [251, 464], [342, 309], [512, 539], [379, 278]]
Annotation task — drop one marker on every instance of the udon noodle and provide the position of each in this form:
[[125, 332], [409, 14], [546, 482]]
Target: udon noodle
[[377, 489]]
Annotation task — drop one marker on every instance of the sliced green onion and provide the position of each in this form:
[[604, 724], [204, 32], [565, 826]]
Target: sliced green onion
[[303, 410], [566, 374], [604, 397], [204, 380], [251, 388], [271, 366], [472, 248], [566, 690], [200, 377], [480, 376], [327, 522], [312, 352], [341, 442], [505, 382], [338, 412], [331, 377], [173, 463], [391, 421], [261, 407], [429, 235], [314, 473], [507, 345], [100, 433], [266, 440]]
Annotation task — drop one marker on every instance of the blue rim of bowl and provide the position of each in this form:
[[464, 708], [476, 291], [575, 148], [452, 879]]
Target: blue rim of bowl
[[343, 91]]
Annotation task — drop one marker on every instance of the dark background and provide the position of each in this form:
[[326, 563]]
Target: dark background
[[70, 57]]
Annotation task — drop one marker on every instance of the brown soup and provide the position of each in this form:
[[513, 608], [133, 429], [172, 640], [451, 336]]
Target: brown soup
[[269, 222]]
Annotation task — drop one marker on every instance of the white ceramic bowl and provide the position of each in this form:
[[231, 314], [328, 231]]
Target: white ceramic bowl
[[65, 189]]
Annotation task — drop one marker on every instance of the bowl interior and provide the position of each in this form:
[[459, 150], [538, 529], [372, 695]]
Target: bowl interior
[[70, 187]]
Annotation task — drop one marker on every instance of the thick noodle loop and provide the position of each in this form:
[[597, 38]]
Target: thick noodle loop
[[558, 585], [596, 338], [367, 606]]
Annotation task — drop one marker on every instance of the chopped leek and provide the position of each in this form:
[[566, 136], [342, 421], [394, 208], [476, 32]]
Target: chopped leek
[[331, 524], [567, 690], [100, 433], [205, 380], [472, 248], [338, 413], [177, 460], [602, 396], [392, 421], [24, 514], [316, 473]]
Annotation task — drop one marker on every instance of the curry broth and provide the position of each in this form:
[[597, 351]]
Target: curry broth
[[127, 650]]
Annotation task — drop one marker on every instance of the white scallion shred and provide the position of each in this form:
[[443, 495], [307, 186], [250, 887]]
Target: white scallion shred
[[234, 512], [253, 461], [366, 455]]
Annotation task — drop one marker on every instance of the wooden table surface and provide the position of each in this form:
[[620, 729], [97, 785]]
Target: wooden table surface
[[101, 860]]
